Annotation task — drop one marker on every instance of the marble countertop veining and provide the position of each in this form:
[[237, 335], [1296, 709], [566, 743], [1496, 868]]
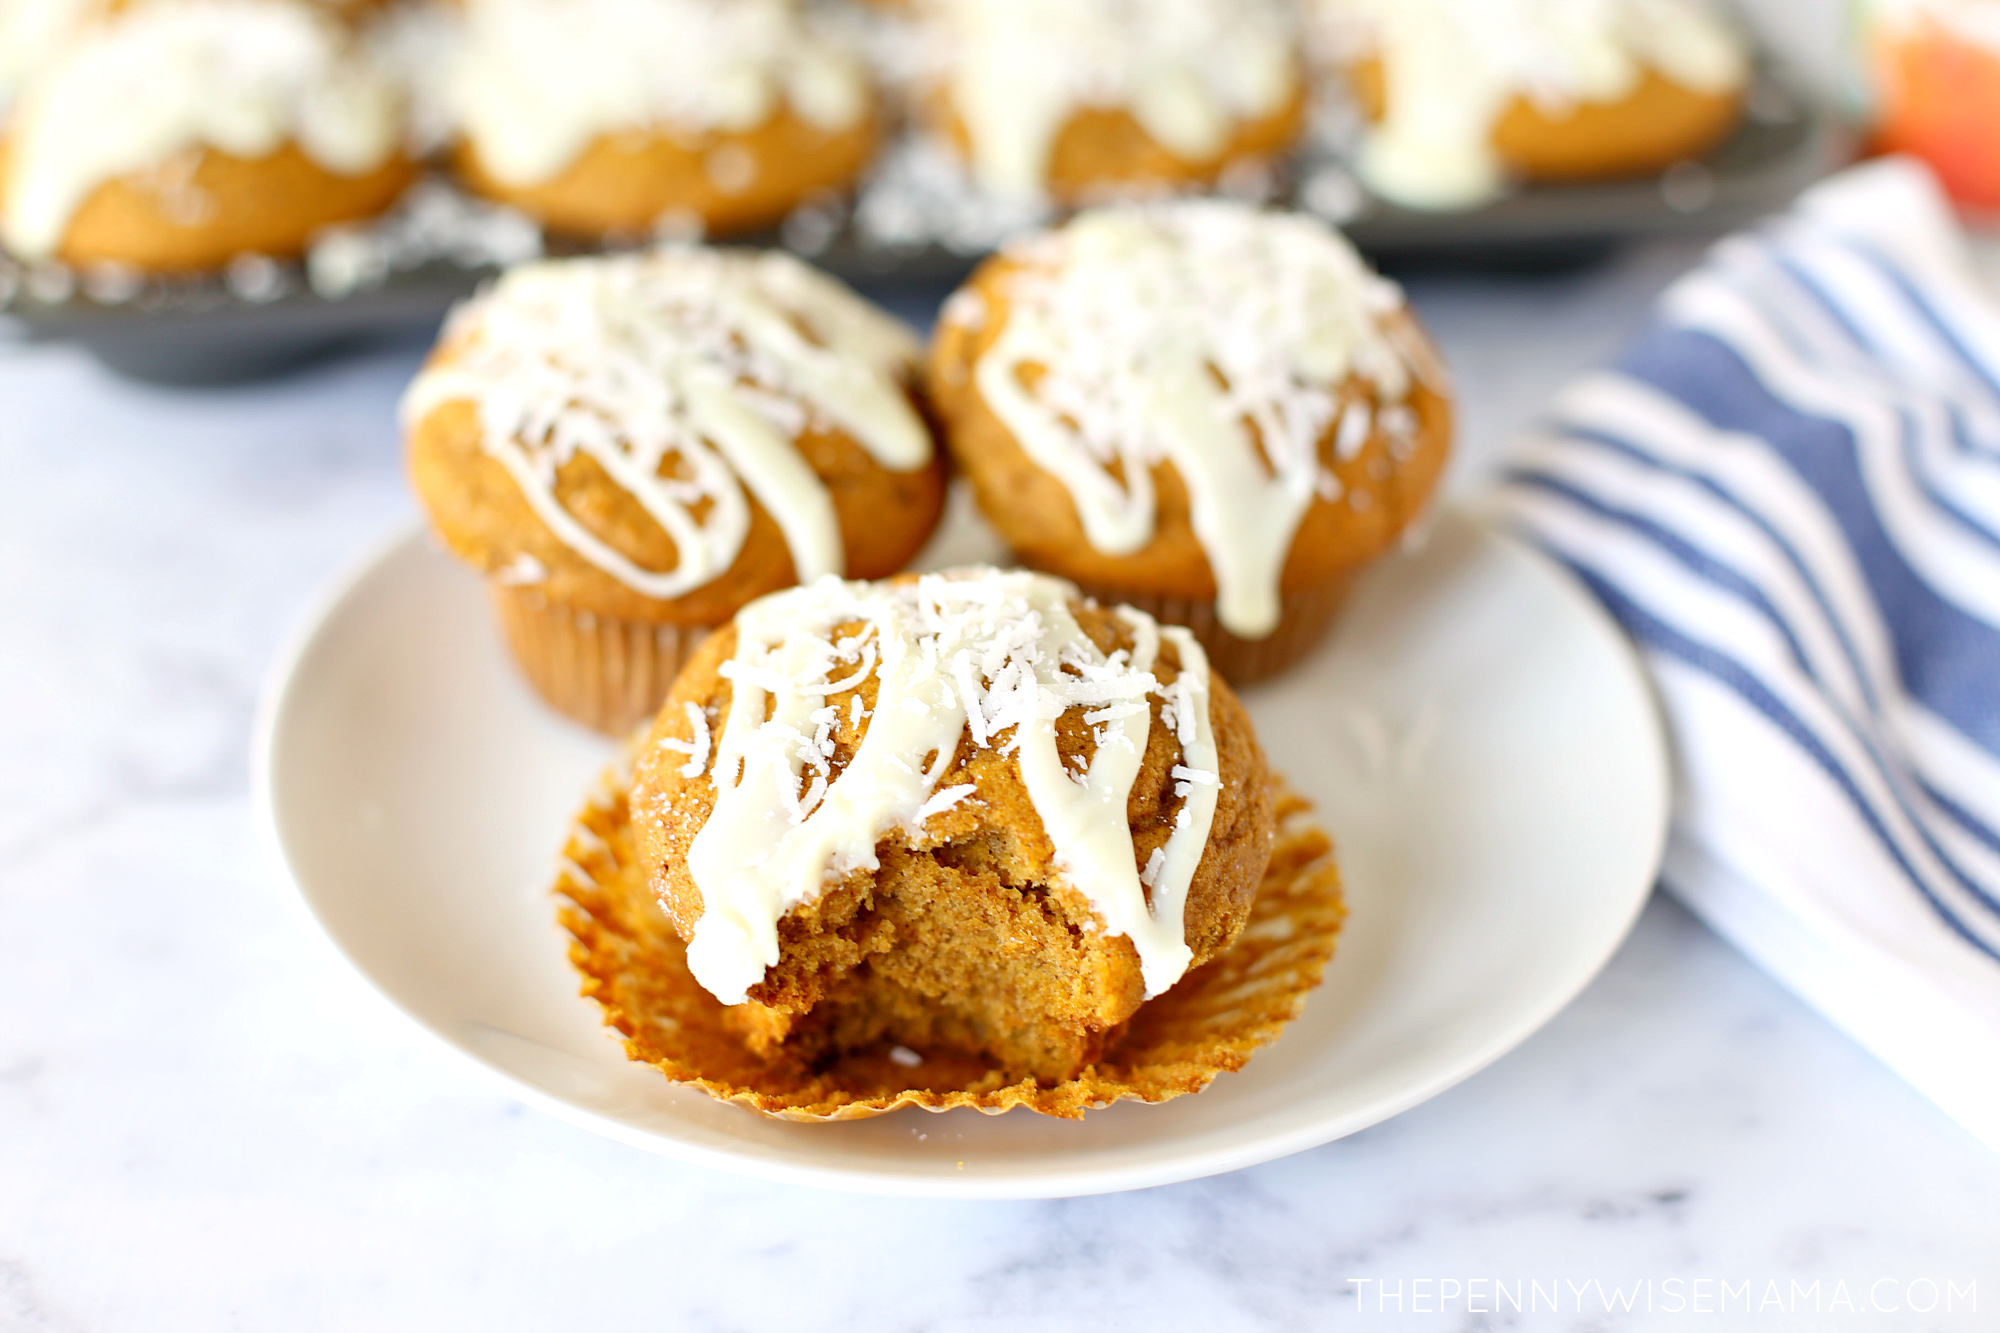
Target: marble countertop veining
[[208, 1122]]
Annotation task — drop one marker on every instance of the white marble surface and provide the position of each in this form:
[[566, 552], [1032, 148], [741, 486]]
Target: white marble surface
[[208, 1122]]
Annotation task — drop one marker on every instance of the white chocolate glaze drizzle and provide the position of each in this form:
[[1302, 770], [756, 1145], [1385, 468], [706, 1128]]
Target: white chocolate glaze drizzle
[[538, 80], [994, 658], [242, 76], [1450, 68], [1167, 333], [686, 375], [30, 32], [1189, 71]]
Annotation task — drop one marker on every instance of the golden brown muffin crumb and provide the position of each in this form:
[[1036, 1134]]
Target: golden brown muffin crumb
[[634, 964], [967, 938]]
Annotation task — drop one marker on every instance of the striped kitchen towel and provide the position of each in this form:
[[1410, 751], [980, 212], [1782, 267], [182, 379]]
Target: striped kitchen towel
[[1789, 492]]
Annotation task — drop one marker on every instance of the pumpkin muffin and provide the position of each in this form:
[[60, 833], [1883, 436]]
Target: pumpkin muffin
[[631, 117], [174, 135], [631, 447], [1080, 100], [971, 816], [1216, 413], [1463, 95]]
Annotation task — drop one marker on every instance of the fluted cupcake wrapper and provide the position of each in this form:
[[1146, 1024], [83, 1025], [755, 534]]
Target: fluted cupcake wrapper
[[1304, 618], [609, 673], [1209, 1022]]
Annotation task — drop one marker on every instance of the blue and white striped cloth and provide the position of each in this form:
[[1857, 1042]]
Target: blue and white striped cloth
[[1789, 493]]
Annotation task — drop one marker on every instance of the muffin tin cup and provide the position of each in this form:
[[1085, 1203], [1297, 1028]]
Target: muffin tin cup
[[1303, 620], [609, 673], [399, 274]]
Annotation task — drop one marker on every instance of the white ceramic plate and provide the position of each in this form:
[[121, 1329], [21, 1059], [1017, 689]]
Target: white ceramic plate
[[1477, 735]]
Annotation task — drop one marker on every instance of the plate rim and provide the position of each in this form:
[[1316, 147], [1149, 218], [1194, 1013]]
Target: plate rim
[[311, 623]]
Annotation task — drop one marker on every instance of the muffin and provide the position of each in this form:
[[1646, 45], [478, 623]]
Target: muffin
[[630, 117], [631, 447], [1216, 413], [175, 135], [945, 836], [1463, 95], [1076, 100]]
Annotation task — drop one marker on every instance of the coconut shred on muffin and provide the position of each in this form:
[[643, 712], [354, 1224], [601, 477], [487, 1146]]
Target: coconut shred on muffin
[[176, 134], [1464, 95], [966, 814], [1217, 413], [605, 117], [632, 447], [1079, 99], [952, 840]]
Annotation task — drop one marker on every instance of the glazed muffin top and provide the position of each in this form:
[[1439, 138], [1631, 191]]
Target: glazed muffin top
[[539, 80], [978, 717], [135, 87], [1215, 401], [1445, 73], [30, 32], [1012, 74], [667, 435]]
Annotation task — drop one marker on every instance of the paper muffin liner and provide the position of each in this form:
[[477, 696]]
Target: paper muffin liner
[[1210, 1022], [1304, 617], [606, 672]]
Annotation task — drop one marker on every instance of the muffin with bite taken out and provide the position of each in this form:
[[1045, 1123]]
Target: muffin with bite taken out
[[959, 839], [963, 813]]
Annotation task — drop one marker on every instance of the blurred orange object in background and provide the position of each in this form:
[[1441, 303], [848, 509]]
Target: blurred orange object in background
[[1937, 70]]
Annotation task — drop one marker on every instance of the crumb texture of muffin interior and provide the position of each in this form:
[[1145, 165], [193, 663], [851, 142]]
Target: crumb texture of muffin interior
[[134, 100], [634, 965], [1192, 399], [1463, 92], [965, 816], [664, 436], [1065, 96]]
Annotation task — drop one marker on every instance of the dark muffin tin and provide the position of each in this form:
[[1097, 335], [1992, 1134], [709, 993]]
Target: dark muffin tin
[[265, 317]]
